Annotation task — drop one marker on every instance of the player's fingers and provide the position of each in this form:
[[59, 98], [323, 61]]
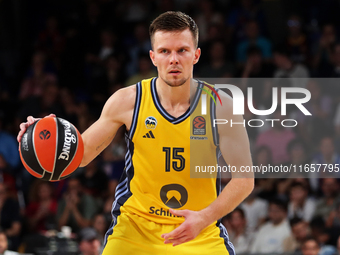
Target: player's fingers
[[175, 233], [51, 115], [172, 240], [23, 127], [181, 240], [30, 120], [183, 213]]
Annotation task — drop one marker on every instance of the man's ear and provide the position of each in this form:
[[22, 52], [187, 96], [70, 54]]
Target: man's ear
[[197, 55], [152, 57]]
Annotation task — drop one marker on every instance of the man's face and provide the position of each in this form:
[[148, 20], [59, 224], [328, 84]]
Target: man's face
[[91, 247], [174, 54], [310, 248], [300, 231], [276, 214]]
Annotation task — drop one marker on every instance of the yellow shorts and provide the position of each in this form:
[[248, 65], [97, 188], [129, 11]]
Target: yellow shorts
[[132, 234]]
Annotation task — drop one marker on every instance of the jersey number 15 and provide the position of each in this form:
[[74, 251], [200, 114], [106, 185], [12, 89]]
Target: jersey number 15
[[178, 161]]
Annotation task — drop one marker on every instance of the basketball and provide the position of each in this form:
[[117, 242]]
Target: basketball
[[51, 149]]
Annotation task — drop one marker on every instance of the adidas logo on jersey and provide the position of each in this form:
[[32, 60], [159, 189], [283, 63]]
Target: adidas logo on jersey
[[149, 135]]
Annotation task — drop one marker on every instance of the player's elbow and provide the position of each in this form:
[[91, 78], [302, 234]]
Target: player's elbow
[[248, 186]]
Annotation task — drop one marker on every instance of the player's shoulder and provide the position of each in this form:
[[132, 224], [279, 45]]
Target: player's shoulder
[[123, 97], [121, 102]]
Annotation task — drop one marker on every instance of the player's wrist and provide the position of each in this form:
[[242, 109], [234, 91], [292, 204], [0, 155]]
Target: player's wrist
[[207, 216]]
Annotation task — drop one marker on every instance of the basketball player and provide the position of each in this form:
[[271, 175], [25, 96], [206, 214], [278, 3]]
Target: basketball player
[[156, 179]]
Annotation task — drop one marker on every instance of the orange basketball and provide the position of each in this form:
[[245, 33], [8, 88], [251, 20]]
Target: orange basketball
[[51, 149]]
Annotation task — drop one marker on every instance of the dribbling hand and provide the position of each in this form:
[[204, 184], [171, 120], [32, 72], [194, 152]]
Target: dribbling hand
[[25, 125]]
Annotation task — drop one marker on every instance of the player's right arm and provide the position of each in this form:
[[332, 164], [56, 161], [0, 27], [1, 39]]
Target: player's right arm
[[117, 111]]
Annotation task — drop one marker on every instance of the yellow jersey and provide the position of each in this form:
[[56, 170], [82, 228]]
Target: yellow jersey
[[160, 151]]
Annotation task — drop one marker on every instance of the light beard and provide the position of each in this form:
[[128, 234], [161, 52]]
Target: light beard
[[171, 84]]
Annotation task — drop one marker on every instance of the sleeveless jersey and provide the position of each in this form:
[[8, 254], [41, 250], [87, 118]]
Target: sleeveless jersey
[[160, 150]]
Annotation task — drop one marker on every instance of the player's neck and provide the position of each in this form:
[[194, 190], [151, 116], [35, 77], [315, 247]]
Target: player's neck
[[173, 96]]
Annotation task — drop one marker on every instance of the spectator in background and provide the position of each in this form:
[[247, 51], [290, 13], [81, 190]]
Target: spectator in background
[[296, 40], [4, 245], [255, 66], [42, 209], [255, 210], [207, 15], [301, 231], [37, 78], [326, 155], [89, 243], [50, 41], [338, 245], [264, 186], [327, 203], [114, 160], [333, 219], [8, 147], [277, 139], [141, 44], [286, 68], [7, 178], [10, 220], [310, 247], [216, 33], [145, 70], [239, 16], [91, 27], [253, 38], [297, 152], [217, 66], [322, 59], [93, 180], [238, 233], [76, 209], [107, 47], [336, 123], [42, 105], [334, 71], [101, 225], [319, 237], [271, 236], [300, 205], [115, 75], [313, 128]]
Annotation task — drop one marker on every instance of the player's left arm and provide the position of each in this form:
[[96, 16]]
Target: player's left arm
[[235, 149]]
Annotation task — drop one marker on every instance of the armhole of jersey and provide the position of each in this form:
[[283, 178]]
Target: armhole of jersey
[[212, 117], [135, 110]]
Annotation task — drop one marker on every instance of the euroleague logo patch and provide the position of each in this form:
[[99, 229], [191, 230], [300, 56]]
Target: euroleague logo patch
[[44, 135], [150, 122], [198, 126]]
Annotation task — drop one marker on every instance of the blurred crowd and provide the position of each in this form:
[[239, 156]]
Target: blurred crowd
[[75, 54]]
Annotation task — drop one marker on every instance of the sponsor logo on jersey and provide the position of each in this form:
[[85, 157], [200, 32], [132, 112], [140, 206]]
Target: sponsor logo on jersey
[[149, 135], [162, 212], [150, 122], [198, 126], [44, 135], [198, 138], [174, 195]]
